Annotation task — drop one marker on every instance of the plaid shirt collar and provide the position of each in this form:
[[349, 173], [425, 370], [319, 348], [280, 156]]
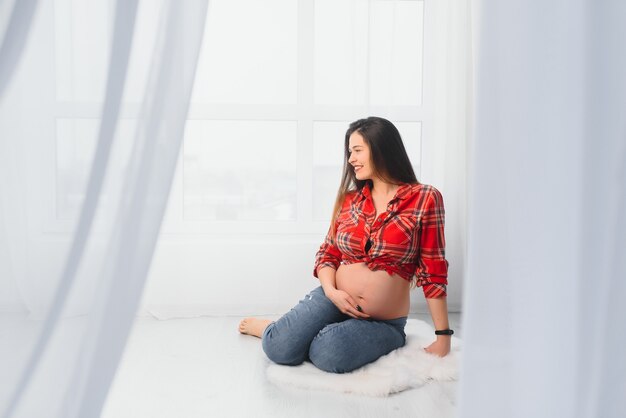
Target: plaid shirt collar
[[403, 191]]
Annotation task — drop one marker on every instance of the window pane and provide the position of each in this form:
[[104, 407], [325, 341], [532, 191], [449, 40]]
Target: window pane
[[340, 51], [385, 71], [75, 146], [396, 52], [83, 31], [240, 170], [249, 53], [81, 48], [328, 139], [147, 26]]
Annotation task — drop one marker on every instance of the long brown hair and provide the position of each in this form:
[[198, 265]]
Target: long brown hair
[[388, 155]]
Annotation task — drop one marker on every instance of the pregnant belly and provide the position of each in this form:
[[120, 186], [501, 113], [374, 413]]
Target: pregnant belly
[[380, 295]]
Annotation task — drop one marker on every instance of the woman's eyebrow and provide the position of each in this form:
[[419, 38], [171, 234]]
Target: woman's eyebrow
[[356, 146]]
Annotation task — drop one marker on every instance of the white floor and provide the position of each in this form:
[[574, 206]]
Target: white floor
[[203, 367]]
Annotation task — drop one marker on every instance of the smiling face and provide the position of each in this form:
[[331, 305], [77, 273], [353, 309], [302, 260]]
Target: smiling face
[[360, 157]]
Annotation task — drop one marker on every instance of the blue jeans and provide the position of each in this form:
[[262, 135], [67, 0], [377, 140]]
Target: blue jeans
[[317, 331]]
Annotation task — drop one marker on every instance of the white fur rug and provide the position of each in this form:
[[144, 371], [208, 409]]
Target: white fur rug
[[405, 368]]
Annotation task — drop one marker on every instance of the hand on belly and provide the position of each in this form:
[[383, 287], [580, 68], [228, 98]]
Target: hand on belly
[[377, 293]]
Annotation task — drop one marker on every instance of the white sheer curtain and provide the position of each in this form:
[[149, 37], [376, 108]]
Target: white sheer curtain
[[543, 301], [444, 148], [61, 360]]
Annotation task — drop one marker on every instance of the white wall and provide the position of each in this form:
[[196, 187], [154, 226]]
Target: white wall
[[241, 275]]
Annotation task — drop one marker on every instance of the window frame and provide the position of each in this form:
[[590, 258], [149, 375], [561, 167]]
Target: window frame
[[305, 113]]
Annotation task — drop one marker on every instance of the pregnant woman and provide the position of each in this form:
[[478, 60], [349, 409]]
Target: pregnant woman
[[386, 237]]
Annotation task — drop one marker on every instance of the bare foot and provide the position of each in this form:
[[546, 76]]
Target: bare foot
[[253, 326]]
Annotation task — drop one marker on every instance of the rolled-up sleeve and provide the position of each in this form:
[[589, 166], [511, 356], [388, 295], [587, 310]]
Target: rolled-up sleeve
[[328, 253], [432, 266]]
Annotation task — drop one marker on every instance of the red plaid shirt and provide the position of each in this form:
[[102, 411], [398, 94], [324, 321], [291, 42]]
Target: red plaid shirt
[[407, 239]]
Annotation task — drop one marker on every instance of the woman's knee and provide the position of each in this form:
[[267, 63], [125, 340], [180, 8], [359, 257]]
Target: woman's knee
[[287, 340], [342, 348], [327, 352], [331, 360], [281, 349]]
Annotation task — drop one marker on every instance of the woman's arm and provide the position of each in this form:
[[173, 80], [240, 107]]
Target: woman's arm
[[439, 312], [432, 266], [326, 276]]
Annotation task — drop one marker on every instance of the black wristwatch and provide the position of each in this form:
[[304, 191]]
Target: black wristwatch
[[444, 332]]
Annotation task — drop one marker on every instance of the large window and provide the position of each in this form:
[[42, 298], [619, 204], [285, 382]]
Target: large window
[[277, 83]]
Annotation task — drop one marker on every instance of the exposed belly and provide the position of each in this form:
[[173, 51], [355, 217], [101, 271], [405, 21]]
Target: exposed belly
[[380, 295]]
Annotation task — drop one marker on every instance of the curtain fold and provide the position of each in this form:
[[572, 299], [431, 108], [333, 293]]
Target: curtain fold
[[122, 40], [547, 196], [14, 39], [63, 366], [601, 374], [12, 222], [154, 158]]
